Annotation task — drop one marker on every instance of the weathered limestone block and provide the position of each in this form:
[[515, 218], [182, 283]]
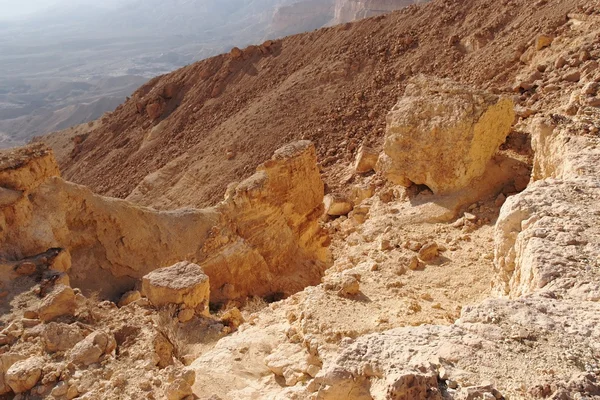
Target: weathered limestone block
[[59, 302], [94, 346], [23, 375], [184, 284], [443, 135], [26, 168]]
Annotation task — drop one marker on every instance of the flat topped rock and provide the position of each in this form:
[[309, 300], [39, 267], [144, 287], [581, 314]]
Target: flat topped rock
[[184, 283]]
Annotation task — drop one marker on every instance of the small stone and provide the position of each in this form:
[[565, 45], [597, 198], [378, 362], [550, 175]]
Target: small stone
[[543, 41], [336, 205], [61, 337], [443, 373], [30, 323], [129, 297], [185, 315], [366, 159], [590, 89], [470, 217], [574, 76], [385, 245], [178, 390], [500, 200], [60, 389], [232, 318], [72, 392], [412, 245], [413, 264], [30, 314], [429, 252], [26, 269]]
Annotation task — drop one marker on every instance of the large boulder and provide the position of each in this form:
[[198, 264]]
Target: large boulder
[[184, 284], [443, 134]]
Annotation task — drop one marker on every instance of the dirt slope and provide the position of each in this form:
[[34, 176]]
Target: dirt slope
[[333, 86]]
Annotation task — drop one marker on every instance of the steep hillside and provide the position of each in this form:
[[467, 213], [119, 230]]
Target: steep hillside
[[464, 264], [224, 115]]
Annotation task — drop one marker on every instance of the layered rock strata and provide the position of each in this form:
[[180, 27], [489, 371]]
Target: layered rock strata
[[263, 239]]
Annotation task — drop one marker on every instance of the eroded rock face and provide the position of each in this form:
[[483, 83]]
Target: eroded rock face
[[443, 135], [545, 234], [263, 239], [350, 10]]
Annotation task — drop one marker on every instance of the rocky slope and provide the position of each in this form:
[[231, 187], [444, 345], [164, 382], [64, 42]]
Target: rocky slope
[[473, 275], [225, 115]]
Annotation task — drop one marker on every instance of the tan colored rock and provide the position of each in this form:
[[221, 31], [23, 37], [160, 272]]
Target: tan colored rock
[[429, 251], [90, 349], [362, 192], [61, 337], [129, 297], [178, 389], [185, 315], [543, 41], [344, 284], [23, 375], [366, 159], [59, 302], [6, 361], [26, 269], [27, 167], [236, 53], [232, 318], [336, 205], [183, 283], [163, 349], [443, 135]]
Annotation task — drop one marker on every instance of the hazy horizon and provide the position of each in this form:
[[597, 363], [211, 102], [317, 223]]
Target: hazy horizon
[[17, 10]]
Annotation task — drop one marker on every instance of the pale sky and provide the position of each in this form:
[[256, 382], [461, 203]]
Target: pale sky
[[15, 8]]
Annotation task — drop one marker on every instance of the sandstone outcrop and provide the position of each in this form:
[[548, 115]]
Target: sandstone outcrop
[[443, 135], [263, 239]]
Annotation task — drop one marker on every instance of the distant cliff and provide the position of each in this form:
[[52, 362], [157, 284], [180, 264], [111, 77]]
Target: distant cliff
[[306, 15]]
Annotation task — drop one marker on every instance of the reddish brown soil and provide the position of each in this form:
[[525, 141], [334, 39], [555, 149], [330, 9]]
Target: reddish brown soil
[[333, 86]]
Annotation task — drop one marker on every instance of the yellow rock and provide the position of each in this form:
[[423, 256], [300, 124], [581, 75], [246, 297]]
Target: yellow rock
[[442, 134]]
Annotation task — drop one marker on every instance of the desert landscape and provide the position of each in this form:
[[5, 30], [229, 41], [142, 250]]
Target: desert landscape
[[372, 210]]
